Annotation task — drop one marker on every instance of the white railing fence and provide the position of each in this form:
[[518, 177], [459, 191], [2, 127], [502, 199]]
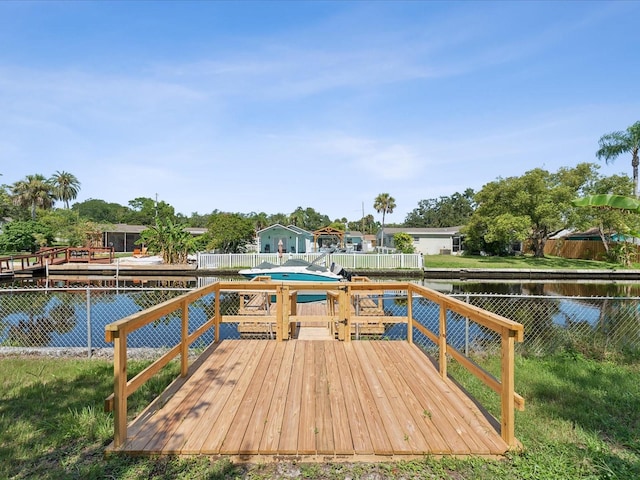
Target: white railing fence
[[353, 261]]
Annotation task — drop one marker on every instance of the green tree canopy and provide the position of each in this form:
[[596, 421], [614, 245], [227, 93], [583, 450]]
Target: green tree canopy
[[24, 236], [230, 232], [451, 211], [366, 225], [33, 192], [527, 208], [169, 240], [145, 211], [614, 212], [403, 242], [308, 219], [100, 211]]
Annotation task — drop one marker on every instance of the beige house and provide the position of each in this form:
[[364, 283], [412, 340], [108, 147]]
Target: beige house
[[428, 241]]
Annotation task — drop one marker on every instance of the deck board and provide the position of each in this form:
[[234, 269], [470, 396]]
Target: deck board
[[316, 399]]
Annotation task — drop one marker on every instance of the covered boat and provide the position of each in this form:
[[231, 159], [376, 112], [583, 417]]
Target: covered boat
[[297, 271]]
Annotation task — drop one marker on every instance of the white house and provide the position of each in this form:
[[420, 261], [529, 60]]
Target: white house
[[428, 241]]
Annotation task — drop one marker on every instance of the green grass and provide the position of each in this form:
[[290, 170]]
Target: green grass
[[582, 422], [522, 261]]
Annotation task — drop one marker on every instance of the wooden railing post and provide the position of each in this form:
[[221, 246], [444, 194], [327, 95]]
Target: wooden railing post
[[281, 310], [184, 337], [442, 341], [345, 312], [120, 389], [409, 316], [291, 328], [507, 429], [216, 328]]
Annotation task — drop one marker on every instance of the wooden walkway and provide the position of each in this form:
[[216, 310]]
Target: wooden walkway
[[320, 400]]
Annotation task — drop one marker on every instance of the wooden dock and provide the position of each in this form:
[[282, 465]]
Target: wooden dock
[[309, 390], [36, 263], [314, 400]]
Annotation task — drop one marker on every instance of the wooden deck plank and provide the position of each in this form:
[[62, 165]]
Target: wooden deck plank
[[358, 426], [217, 396], [454, 429], [324, 420], [180, 384], [342, 432], [288, 443], [186, 412], [379, 440], [215, 440], [426, 378], [316, 399], [412, 432], [244, 411], [256, 425], [277, 408], [470, 417], [389, 355], [393, 427], [155, 432], [308, 429]]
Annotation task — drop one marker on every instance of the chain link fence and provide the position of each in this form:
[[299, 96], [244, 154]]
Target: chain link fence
[[75, 318], [596, 326]]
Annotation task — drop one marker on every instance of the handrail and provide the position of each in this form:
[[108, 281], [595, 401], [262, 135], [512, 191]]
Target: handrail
[[339, 301], [510, 332], [49, 256]]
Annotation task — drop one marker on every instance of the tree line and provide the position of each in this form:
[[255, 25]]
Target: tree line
[[527, 208]]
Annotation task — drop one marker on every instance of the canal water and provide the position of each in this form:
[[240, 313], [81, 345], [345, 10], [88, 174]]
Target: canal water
[[73, 312]]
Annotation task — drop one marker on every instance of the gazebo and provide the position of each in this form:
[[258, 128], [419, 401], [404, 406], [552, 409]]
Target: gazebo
[[330, 232]]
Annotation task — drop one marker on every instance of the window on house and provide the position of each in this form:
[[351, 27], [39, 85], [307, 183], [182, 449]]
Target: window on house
[[456, 243]]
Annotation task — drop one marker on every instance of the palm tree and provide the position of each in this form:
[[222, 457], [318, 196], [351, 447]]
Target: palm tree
[[297, 217], [612, 145], [32, 192], [66, 187], [384, 203]]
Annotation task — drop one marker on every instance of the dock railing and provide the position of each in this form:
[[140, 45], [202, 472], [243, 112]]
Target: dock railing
[[54, 256], [346, 312]]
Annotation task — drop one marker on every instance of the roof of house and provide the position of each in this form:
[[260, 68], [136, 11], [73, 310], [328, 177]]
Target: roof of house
[[126, 228], [292, 228], [422, 230]]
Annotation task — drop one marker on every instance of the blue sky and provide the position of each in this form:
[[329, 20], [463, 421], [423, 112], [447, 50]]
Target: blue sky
[[267, 106]]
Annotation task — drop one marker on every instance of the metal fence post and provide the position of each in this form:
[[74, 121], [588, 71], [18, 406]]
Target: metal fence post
[[466, 331], [89, 322]]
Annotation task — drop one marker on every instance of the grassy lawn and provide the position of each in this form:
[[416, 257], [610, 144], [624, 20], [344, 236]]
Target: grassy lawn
[[522, 261], [582, 422]]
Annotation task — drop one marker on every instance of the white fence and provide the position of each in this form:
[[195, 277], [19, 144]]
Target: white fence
[[349, 261]]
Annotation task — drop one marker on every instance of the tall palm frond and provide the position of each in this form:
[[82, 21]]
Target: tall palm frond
[[32, 192], [384, 203], [66, 187], [614, 144]]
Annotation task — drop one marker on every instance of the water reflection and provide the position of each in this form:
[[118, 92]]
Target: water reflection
[[552, 288], [35, 319], [561, 315]]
